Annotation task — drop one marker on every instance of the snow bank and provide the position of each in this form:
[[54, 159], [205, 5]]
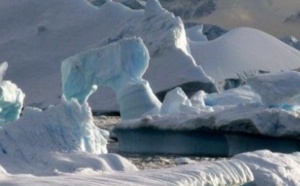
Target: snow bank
[[272, 168], [221, 173], [244, 50]]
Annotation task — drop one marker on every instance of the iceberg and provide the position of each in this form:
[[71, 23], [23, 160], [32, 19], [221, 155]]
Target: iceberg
[[11, 98], [277, 89], [245, 49], [264, 114], [120, 66], [62, 138]]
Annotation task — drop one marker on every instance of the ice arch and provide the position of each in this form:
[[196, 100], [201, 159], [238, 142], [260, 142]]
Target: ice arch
[[119, 65]]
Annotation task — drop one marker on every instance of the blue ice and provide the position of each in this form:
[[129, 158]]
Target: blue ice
[[11, 98], [120, 66]]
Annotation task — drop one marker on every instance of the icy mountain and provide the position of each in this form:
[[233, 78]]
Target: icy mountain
[[244, 50]]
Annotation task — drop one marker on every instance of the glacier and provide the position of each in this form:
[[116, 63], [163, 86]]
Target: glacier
[[120, 66], [11, 98]]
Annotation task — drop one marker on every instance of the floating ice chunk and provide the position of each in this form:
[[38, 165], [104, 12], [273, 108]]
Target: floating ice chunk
[[176, 101], [11, 98], [119, 65], [277, 89]]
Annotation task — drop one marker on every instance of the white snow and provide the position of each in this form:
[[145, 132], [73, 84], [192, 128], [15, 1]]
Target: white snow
[[244, 50], [259, 167], [269, 168], [231, 172]]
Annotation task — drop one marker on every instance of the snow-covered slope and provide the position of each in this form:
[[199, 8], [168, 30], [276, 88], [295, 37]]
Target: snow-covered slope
[[244, 50], [36, 36]]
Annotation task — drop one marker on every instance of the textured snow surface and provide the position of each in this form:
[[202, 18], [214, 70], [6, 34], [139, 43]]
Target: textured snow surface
[[244, 50], [232, 172], [259, 168]]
